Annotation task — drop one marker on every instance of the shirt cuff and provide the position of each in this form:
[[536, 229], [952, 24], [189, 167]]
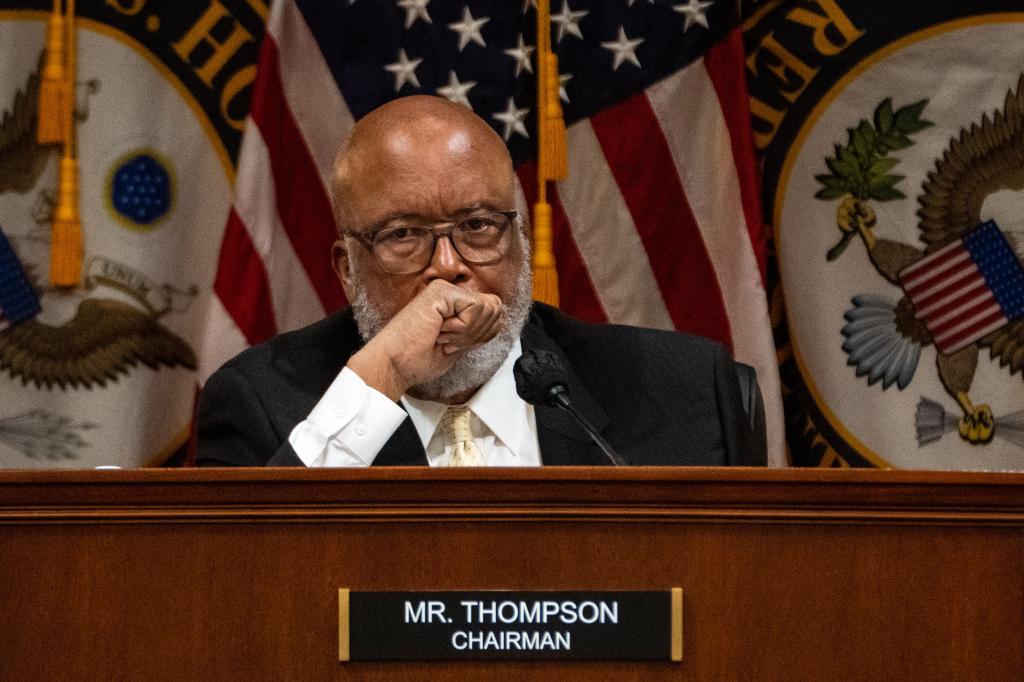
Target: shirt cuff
[[349, 425]]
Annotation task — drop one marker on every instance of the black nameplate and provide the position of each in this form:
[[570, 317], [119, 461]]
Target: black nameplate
[[510, 625]]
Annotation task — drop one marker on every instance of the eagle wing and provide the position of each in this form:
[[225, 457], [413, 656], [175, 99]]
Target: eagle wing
[[1007, 344], [22, 159], [104, 340], [986, 158]]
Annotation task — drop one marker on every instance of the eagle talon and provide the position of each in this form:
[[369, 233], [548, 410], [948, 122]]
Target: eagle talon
[[855, 216], [977, 425]]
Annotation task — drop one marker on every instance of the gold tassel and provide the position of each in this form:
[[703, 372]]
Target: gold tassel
[[51, 90], [552, 162], [556, 161], [545, 277], [66, 236]]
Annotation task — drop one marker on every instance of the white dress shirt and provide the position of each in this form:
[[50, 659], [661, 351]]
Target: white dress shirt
[[353, 421]]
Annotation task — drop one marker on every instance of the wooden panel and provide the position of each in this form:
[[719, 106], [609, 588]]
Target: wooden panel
[[787, 575]]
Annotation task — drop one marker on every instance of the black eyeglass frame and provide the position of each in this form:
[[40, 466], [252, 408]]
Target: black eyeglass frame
[[369, 237]]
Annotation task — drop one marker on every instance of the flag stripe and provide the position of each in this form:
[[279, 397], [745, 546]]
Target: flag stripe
[[923, 286], [575, 288], [606, 236], [956, 304], [664, 220], [222, 339], [714, 193], [723, 62], [915, 270], [298, 53], [937, 296], [301, 201], [984, 326], [242, 285], [720, 207], [295, 301], [966, 319]]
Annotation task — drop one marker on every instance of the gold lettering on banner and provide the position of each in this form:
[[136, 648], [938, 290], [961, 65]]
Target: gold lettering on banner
[[773, 117], [785, 66], [774, 65], [129, 9], [222, 50], [235, 85], [834, 16], [833, 460]]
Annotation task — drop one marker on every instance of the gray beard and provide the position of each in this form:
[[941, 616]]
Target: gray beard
[[472, 368]]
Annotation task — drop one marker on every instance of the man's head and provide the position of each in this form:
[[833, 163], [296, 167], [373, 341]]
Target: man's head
[[425, 161]]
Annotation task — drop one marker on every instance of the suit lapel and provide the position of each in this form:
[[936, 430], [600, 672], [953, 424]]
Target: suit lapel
[[403, 448], [563, 442]]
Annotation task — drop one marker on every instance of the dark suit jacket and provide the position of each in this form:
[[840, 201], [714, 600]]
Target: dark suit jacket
[[659, 398]]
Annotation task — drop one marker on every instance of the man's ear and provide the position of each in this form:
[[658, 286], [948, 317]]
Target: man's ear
[[339, 261]]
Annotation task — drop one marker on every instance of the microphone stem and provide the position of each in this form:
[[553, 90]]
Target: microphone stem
[[562, 400]]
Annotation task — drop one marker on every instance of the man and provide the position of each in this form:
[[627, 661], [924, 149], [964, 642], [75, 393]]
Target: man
[[434, 257]]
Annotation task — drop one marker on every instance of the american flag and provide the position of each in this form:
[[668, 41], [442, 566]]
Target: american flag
[[18, 300], [967, 289], [657, 225]]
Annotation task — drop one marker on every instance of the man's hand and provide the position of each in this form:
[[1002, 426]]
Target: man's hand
[[421, 341]]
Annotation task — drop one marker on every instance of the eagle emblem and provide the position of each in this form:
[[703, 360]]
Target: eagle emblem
[[106, 337], [963, 291]]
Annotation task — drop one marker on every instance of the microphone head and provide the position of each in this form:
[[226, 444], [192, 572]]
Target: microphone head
[[538, 373]]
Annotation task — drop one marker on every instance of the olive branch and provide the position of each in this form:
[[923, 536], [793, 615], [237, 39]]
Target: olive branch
[[861, 168]]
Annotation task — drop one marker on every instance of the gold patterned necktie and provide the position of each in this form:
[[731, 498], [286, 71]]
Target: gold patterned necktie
[[456, 429]]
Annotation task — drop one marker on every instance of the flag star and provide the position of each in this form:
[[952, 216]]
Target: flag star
[[404, 70], [521, 53], [563, 78], [695, 12], [624, 49], [513, 120], [456, 91], [568, 21], [469, 29], [415, 9]]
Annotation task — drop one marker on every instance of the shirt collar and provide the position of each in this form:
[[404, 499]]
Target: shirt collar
[[496, 404]]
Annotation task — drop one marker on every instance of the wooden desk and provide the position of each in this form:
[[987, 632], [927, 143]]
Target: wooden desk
[[788, 575]]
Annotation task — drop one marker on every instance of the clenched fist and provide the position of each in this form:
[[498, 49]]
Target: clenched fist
[[422, 340]]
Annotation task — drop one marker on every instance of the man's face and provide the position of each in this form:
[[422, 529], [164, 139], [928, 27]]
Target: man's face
[[433, 171], [416, 180]]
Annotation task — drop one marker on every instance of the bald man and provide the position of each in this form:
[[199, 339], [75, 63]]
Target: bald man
[[433, 255]]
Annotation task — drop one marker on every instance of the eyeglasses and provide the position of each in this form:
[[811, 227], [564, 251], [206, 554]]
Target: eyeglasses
[[406, 249]]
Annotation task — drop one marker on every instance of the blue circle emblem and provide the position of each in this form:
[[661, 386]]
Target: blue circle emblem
[[141, 189]]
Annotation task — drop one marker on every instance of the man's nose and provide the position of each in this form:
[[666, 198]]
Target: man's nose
[[447, 264]]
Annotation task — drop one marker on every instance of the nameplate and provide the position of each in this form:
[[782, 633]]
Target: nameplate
[[510, 625]]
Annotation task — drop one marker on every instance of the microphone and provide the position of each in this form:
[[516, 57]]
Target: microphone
[[541, 380]]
